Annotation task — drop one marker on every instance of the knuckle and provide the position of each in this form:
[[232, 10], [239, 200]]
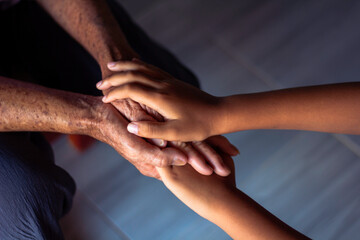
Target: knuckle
[[127, 86], [107, 81], [217, 158], [160, 160], [131, 74], [183, 145], [130, 88], [197, 143], [178, 144], [158, 96]]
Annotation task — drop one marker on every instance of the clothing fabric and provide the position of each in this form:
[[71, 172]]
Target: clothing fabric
[[34, 192], [5, 4]]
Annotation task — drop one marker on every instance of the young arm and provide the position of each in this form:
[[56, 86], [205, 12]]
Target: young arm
[[218, 200], [326, 108], [195, 115]]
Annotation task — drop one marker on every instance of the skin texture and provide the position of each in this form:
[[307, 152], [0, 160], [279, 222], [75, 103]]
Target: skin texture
[[327, 108], [218, 200], [92, 24], [28, 107], [182, 108]]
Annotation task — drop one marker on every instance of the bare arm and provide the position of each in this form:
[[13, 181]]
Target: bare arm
[[91, 23], [243, 218], [195, 115], [327, 108], [218, 200], [28, 107]]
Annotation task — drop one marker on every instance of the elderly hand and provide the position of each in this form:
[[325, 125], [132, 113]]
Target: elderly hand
[[199, 155]]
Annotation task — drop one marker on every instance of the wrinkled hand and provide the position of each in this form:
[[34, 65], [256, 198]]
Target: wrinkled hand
[[111, 129], [199, 155], [190, 113]]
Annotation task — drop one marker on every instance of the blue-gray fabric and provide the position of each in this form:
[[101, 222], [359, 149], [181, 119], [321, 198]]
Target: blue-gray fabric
[[34, 192]]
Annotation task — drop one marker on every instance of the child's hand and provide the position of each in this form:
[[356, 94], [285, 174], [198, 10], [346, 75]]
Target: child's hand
[[190, 113], [218, 200], [201, 193]]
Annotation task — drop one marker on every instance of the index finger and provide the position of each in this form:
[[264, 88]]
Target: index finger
[[126, 66]]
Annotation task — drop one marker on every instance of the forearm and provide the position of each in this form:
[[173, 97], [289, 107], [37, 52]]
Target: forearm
[[328, 108], [29, 107], [91, 23], [243, 218]]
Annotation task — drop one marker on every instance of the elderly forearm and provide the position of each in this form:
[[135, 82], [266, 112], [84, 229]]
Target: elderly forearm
[[28, 107], [91, 23], [328, 108]]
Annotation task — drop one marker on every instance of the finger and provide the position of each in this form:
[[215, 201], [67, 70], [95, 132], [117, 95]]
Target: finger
[[158, 142], [150, 68], [134, 112], [213, 158], [166, 157], [229, 162], [157, 116], [223, 144], [127, 77], [135, 91], [149, 129], [149, 171], [195, 159], [126, 66]]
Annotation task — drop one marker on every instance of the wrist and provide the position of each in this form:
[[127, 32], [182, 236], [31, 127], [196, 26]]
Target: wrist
[[219, 204], [92, 119], [113, 53], [221, 117], [244, 112]]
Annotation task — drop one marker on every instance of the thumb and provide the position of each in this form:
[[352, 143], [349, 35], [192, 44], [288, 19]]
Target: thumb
[[147, 129]]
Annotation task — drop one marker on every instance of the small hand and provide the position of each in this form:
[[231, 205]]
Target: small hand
[[189, 112], [198, 192], [200, 155]]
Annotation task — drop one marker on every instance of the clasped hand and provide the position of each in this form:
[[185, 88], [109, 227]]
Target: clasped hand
[[148, 154]]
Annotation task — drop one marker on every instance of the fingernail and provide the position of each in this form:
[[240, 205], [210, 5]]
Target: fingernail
[[159, 142], [222, 170], [104, 99], [99, 84], [226, 170], [236, 151], [133, 128], [111, 64], [178, 162], [209, 170]]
